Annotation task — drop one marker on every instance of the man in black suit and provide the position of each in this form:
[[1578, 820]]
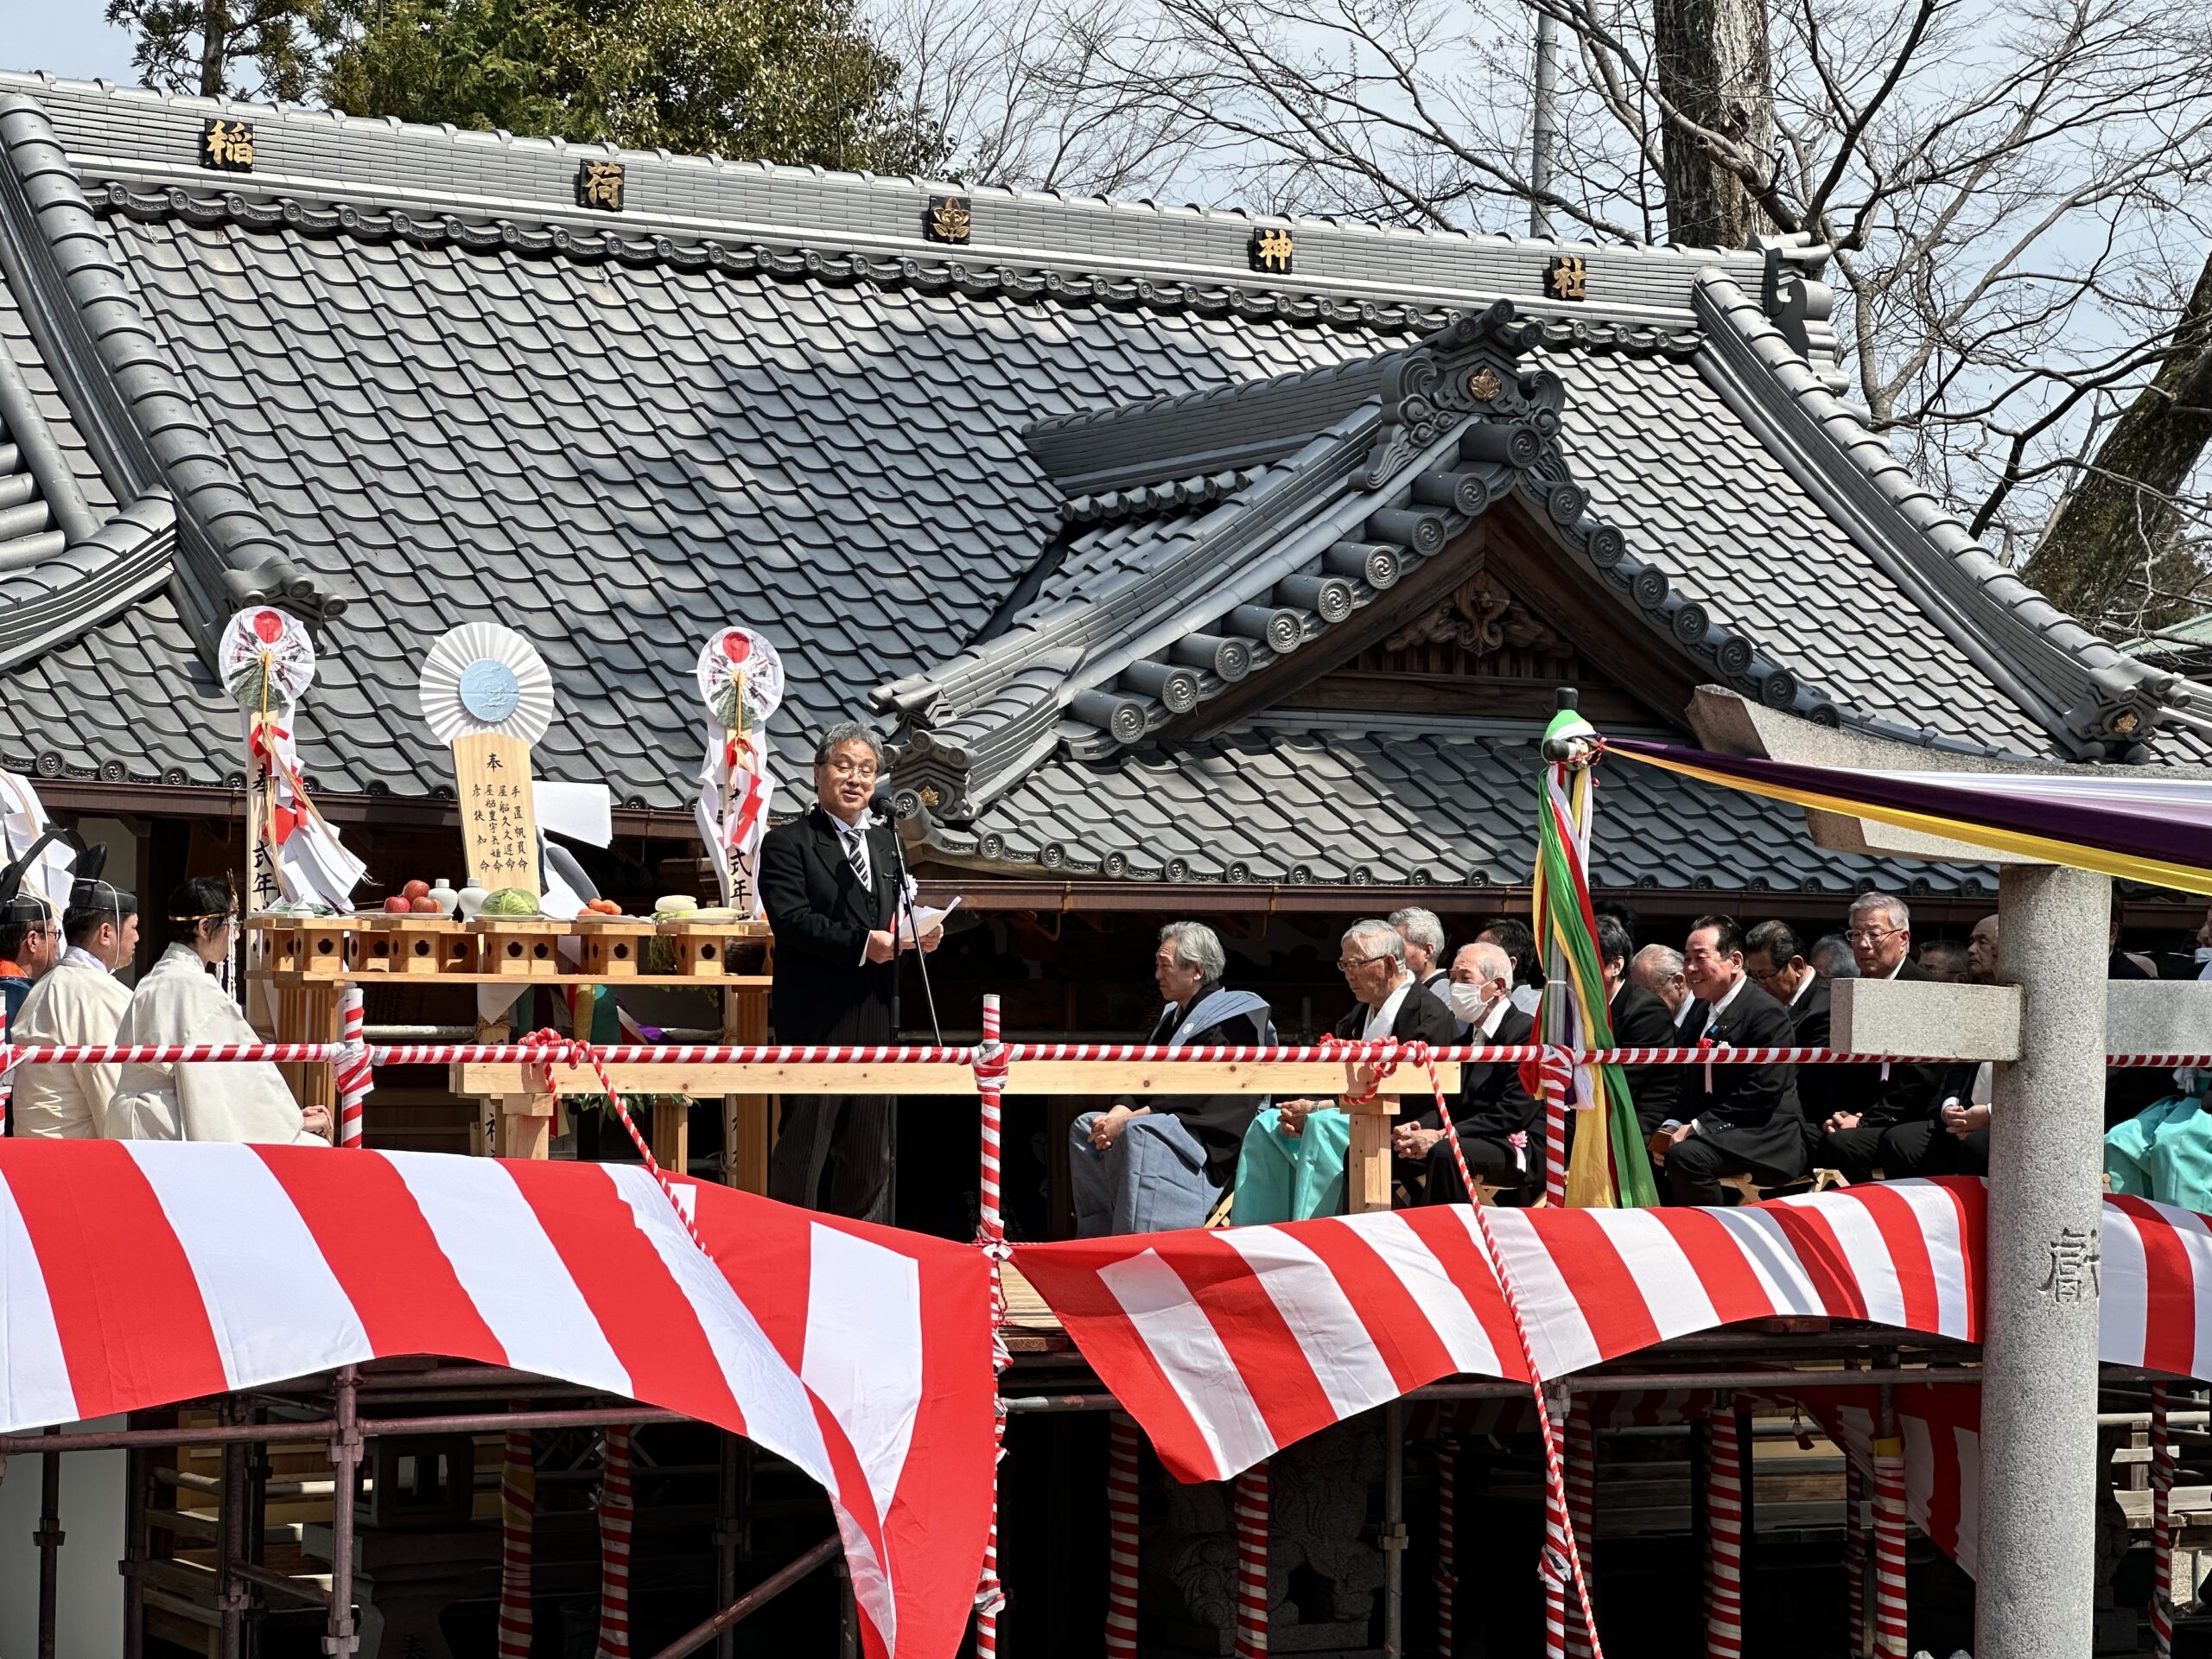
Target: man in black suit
[[1867, 1100], [1423, 933], [1639, 1020], [1741, 1118], [1775, 958], [1492, 1108], [827, 882]]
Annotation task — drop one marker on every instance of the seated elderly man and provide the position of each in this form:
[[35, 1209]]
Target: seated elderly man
[[1144, 1167], [1493, 1107], [1293, 1166]]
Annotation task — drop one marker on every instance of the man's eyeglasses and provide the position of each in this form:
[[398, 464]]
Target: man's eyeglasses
[[1346, 964], [1870, 934], [850, 768]]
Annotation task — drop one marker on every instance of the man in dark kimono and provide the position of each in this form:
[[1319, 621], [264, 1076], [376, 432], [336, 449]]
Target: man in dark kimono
[[1148, 1165]]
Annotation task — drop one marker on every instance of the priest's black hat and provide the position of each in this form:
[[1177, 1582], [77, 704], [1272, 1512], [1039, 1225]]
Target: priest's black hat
[[89, 896]]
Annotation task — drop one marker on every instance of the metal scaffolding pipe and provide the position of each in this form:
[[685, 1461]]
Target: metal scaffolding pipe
[[341, 1639], [750, 1602], [1394, 1527], [49, 1538]]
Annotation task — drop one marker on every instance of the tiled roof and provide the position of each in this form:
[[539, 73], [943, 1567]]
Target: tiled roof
[[1299, 798], [403, 361]]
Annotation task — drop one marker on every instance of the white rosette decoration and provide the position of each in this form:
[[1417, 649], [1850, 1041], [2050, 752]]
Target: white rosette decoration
[[266, 662], [742, 683]]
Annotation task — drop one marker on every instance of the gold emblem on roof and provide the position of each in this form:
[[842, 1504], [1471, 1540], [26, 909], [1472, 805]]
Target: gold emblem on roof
[[227, 145], [599, 184], [1272, 251], [1484, 385], [950, 219]]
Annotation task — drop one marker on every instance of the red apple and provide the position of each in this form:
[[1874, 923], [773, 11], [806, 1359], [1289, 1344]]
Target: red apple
[[425, 906], [397, 905], [416, 890]]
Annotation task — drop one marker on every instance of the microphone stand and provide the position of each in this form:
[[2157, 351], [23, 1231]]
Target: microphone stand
[[904, 898]]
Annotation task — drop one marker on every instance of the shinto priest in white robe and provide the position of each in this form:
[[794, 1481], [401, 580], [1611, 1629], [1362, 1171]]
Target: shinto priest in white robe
[[76, 1000], [179, 1002]]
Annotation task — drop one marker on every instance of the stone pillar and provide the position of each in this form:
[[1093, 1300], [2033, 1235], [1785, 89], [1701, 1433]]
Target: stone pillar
[[2036, 1593]]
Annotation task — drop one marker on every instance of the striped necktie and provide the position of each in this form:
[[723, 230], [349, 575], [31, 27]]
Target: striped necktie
[[856, 841]]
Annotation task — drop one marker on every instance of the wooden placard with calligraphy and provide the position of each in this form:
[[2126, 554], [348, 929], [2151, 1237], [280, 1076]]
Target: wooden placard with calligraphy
[[599, 185], [226, 145], [498, 817], [1566, 277], [1273, 251]]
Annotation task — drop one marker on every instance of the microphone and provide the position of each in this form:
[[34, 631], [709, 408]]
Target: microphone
[[880, 803]]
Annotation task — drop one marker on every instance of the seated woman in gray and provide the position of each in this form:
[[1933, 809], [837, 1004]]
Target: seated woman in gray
[[1148, 1166]]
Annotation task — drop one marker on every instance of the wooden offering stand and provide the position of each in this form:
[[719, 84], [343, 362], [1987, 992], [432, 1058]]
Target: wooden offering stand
[[304, 964], [410, 944]]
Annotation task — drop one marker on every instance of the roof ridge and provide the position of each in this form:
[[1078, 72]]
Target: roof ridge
[[154, 141], [49, 81], [2092, 698]]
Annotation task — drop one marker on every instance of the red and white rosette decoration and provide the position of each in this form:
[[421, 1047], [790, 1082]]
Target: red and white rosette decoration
[[1122, 1448], [355, 1075], [1248, 1504], [517, 1523], [617, 1514], [1723, 1534], [1889, 1548], [741, 682], [989, 1063], [266, 662], [2162, 1527]]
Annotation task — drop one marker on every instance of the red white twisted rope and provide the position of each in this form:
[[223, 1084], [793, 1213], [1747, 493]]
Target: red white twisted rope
[[1562, 1542], [1248, 1502], [617, 1515], [2162, 1527], [355, 1075], [1581, 1503], [1121, 1563], [517, 1507], [1854, 1555], [989, 1063], [1890, 1634], [1723, 1534], [557, 1050], [1447, 1580]]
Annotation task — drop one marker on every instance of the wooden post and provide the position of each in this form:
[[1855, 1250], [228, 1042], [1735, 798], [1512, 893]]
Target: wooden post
[[1367, 1166], [672, 1135], [748, 1119]]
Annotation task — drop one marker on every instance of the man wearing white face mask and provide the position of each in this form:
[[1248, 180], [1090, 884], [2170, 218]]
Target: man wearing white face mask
[[1493, 1107]]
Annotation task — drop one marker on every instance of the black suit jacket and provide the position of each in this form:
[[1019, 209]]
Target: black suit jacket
[[1492, 1102], [1818, 1094], [1750, 1111], [1908, 1094], [824, 992], [1640, 1019], [1422, 1016]]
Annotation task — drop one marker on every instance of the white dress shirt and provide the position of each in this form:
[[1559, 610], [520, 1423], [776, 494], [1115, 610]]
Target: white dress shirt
[[1381, 1018]]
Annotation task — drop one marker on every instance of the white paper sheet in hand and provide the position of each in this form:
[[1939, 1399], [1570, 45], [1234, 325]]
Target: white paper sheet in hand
[[924, 917]]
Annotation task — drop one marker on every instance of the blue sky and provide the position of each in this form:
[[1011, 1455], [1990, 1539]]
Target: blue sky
[[67, 36]]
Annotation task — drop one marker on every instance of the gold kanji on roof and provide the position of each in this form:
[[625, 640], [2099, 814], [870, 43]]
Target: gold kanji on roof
[[226, 145], [1272, 251], [1567, 277], [599, 184]]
